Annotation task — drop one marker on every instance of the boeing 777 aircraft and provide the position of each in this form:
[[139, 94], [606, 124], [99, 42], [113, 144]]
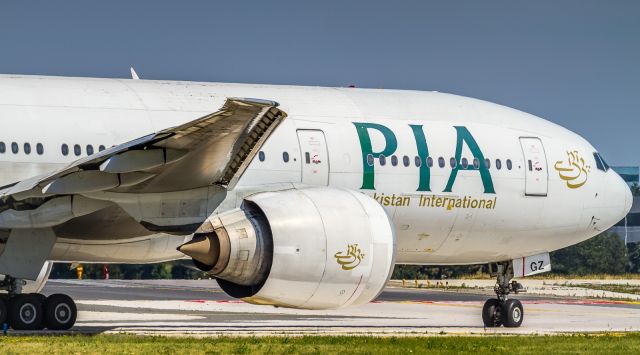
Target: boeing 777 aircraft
[[290, 196]]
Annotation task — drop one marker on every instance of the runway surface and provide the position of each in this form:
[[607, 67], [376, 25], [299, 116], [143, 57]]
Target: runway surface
[[200, 308]]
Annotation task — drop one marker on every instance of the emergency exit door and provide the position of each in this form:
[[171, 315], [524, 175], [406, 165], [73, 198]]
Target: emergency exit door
[[535, 166], [315, 158]]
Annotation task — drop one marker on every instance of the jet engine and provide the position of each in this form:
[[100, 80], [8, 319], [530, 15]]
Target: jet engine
[[312, 248]]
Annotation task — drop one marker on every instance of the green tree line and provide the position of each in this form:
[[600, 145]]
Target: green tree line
[[603, 254], [180, 269]]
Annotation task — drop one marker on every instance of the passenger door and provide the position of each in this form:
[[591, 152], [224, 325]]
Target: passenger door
[[315, 157], [535, 164]]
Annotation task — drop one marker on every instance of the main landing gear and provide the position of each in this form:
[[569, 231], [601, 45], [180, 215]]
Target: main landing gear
[[34, 311], [501, 310]]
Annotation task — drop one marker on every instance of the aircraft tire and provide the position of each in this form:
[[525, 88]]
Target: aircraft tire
[[491, 313], [60, 312], [41, 297], [26, 312], [513, 313], [3, 310]]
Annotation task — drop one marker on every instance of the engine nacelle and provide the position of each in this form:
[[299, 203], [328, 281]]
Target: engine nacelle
[[312, 248]]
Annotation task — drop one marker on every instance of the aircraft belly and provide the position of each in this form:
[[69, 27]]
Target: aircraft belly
[[151, 249], [422, 230]]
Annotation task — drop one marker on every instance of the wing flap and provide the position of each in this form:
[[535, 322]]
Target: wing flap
[[212, 150]]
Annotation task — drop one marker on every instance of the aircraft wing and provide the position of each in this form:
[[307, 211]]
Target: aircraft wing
[[212, 150]]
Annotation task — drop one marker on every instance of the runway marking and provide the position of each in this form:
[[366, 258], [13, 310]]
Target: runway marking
[[567, 302], [193, 314], [94, 316]]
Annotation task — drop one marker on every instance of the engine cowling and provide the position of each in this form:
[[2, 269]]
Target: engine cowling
[[312, 248]]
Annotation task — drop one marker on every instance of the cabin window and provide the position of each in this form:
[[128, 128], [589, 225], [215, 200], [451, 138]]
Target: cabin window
[[487, 163], [464, 163], [453, 163], [394, 160], [3, 147], [39, 149], [429, 161], [405, 161], [285, 157], [509, 165], [441, 162], [369, 159], [606, 166], [14, 147], [101, 148], [382, 159], [498, 164], [262, 157], [27, 148], [77, 150], [600, 163], [476, 163], [417, 161], [89, 149], [65, 150]]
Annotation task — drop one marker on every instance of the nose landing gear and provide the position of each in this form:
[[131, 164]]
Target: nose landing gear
[[34, 311], [501, 310]]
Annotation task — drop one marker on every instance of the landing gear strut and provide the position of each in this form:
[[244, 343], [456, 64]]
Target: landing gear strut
[[34, 311], [501, 310]]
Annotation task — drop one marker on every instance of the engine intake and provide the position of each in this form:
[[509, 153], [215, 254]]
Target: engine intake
[[313, 248]]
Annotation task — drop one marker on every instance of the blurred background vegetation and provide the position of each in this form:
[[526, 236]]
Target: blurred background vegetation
[[603, 254], [180, 269]]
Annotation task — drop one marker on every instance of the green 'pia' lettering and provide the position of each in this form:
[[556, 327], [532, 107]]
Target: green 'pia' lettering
[[464, 136], [391, 144]]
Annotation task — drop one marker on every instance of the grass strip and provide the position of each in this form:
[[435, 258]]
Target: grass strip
[[614, 343]]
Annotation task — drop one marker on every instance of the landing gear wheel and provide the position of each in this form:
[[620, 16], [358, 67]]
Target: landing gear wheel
[[41, 297], [26, 312], [513, 313], [492, 313], [3, 310], [60, 312]]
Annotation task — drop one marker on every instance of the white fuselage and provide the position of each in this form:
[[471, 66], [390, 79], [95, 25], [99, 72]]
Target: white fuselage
[[335, 136]]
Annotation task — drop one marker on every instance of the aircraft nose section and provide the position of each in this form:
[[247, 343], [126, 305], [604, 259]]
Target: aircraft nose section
[[623, 197], [617, 200], [628, 200]]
